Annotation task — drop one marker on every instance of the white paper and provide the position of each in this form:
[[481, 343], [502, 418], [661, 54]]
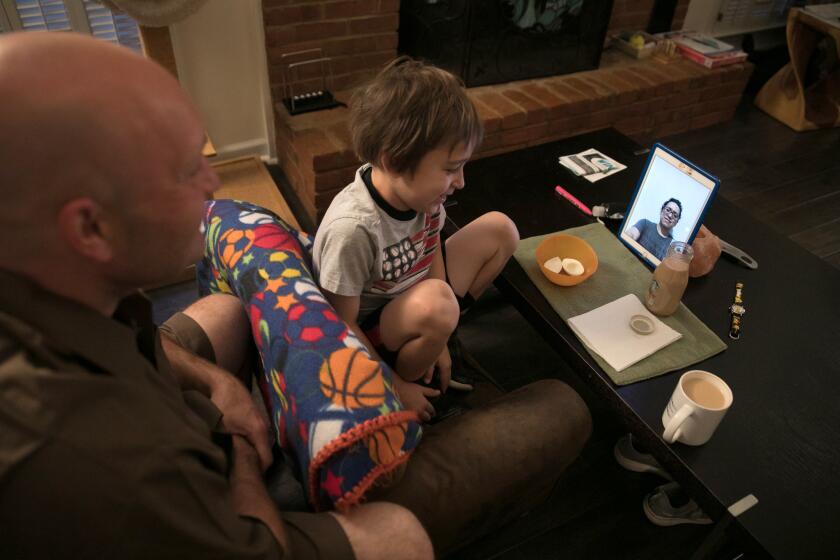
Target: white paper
[[591, 164], [606, 331]]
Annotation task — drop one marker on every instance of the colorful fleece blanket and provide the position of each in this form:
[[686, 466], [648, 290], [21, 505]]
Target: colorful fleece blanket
[[331, 404]]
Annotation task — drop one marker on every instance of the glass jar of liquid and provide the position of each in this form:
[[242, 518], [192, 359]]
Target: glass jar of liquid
[[669, 280]]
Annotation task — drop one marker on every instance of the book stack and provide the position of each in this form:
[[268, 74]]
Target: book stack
[[708, 51]]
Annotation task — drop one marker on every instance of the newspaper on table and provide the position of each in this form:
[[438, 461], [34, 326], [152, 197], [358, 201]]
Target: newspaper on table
[[591, 164]]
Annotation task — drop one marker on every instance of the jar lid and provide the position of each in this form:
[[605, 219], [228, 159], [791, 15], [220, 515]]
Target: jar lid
[[642, 324]]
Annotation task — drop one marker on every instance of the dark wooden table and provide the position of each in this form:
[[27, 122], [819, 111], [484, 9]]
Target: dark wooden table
[[780, 441]]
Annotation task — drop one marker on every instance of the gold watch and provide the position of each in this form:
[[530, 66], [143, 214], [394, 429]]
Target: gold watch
[[736, 311]]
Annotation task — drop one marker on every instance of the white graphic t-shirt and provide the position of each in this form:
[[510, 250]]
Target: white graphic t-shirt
[[365, 247]]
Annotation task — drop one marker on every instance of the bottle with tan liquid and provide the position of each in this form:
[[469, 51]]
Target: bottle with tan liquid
[[669, 280]]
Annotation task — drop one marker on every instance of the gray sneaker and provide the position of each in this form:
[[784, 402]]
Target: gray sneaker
[[463, 375], [634, 460], [659, 507]]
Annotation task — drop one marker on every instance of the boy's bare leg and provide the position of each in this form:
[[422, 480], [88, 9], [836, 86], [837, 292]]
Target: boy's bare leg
[[417, 325], [477, 252]]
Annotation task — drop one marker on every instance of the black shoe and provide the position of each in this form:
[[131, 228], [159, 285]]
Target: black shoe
[[446, 406], [463, 376]]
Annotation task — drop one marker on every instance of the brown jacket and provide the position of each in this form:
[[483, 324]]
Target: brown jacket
[[101, 454]]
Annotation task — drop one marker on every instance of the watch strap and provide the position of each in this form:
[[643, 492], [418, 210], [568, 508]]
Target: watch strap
[[736, 311]]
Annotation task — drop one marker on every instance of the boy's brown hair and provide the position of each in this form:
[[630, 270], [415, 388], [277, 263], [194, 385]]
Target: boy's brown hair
[[409, 109]]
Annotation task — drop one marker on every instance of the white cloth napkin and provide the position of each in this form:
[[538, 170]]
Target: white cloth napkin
[[606, 331]]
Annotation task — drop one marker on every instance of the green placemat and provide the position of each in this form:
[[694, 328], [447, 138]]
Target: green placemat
[[620, 273]]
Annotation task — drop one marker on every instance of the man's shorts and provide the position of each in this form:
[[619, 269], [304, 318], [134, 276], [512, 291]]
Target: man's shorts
[[310, 535]]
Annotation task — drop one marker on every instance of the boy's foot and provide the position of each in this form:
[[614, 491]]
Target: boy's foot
[[462, 378], [634, 460], [668, 505], [446, 406], [461, 382]]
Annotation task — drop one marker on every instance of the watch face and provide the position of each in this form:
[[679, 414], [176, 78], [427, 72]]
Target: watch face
[[737, 309]]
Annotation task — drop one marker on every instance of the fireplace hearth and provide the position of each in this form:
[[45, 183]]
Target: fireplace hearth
[[644, 99], [496, 41]]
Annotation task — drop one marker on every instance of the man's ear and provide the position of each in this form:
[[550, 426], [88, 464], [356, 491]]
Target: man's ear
[[82, 225]]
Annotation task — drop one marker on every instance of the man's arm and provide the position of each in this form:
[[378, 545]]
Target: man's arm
[[250, 496], [239, 413]]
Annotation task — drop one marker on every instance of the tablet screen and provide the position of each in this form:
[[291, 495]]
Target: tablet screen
[[669, 204]]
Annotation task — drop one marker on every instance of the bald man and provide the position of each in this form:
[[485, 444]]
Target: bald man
[[109, 446], [116, 442]]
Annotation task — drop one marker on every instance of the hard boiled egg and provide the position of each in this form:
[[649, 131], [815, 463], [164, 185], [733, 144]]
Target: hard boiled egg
[[572, 267]]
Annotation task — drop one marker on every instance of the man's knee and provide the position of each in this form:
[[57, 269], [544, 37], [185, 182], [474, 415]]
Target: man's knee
[[385, 530], [560, 399], [223, 319], [573, 408], [560, 410]]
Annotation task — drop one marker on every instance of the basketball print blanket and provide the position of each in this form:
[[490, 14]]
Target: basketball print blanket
[[331, 404]]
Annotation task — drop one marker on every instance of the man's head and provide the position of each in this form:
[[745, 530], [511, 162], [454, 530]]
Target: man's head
[[101, 171], [410, 114], [670, 213]]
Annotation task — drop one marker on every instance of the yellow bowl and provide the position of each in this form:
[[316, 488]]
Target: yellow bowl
[[566, 246]]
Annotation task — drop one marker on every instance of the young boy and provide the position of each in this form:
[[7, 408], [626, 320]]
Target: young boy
[[378, 254]]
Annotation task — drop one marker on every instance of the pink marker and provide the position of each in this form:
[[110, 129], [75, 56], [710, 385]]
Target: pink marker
[[571, 198]]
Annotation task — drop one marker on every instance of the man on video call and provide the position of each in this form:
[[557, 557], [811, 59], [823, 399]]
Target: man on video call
[[657, 237]]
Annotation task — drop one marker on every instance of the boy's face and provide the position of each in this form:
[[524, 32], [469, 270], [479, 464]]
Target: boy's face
[[439, 174]]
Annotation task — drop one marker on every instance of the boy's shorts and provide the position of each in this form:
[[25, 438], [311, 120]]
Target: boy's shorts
[[370, 324]]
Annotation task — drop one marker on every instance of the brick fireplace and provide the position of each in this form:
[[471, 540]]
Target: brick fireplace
[[643, 99]]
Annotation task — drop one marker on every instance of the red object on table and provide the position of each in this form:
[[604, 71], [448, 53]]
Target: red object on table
[[571, 198]]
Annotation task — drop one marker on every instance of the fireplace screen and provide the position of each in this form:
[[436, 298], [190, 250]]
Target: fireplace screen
[[495, 41], [542, 16]]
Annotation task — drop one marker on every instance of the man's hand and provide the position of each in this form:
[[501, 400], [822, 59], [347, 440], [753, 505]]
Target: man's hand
[[239, 413], [706, 248], [415, 397], [241, 416], [443, 365], [248, 492]]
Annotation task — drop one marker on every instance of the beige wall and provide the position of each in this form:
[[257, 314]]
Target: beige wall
[[220, 53]]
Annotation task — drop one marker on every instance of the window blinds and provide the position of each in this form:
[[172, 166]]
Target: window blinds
[[85, 16], [117, 28]]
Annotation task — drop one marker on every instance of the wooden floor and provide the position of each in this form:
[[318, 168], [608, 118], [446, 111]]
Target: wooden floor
[[790, 180]]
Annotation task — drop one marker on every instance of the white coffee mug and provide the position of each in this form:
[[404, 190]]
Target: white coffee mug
[[697, 406]]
